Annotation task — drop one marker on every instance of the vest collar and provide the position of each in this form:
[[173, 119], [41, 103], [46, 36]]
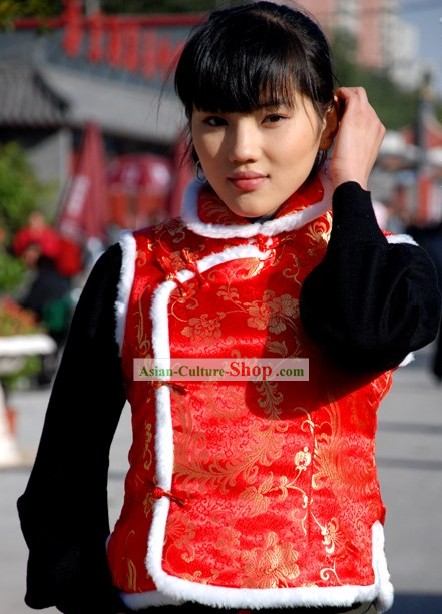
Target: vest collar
[[206, 215]]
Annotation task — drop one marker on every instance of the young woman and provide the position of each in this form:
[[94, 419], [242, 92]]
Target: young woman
[[242, 494]]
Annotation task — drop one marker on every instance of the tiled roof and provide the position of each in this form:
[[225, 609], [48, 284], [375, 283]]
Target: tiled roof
[[41, 87], [26, 99]]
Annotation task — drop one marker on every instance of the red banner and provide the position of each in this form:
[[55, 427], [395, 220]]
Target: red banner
[[84, 207], [83, 211]]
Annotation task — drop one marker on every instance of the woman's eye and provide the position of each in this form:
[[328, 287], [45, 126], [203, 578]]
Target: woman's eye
[[273, 118], [214, 120]]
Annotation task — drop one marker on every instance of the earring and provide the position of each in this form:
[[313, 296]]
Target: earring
[[199, 172], [321, 157]]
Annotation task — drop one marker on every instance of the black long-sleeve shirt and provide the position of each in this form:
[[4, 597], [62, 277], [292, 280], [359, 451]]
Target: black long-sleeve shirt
[[385, 305]]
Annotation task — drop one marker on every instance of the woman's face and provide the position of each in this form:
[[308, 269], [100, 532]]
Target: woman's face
[[255, 161]]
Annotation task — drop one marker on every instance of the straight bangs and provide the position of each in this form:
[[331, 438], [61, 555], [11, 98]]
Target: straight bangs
[[252, 79], [250, 67]]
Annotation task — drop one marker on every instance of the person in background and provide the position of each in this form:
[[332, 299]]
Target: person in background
[[47, 294], [382, 214], [37, 232], [241, 494], [429, 236]]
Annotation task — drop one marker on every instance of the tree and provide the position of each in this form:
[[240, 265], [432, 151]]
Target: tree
[[20, 193], [12, 9], [155, 6], [395, 105], [20, 190], [165, 6]]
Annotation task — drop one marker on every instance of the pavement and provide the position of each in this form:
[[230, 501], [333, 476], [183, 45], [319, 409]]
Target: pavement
[[409, 452]]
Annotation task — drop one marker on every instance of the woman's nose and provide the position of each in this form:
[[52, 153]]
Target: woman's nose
[[243, 142]]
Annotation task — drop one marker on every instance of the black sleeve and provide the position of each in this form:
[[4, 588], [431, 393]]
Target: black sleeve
[[63, 511], [370, 302]]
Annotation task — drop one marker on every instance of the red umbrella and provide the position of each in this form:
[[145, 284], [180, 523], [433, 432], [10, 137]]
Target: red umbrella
[[83, 212], [140, 172], [139, 186]]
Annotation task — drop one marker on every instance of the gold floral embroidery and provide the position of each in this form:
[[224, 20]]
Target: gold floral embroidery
[[303, 459], [213, 209], [225, 470], [332, 470], [257, 499], [147, 446], [327, 572], [141, 258], [228, 540], [187, 300], [181, 533], [243, 269], [173, 228], [294, 270], [330, 535], [172, 262], [319, 230], [328, 456], [203, 329], [277, 347], [270, 398], [271, 566], [131, 574], [144, 343], [272, 312]]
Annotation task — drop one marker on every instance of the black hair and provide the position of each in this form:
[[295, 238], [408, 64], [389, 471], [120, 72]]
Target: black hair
[[254, 55]]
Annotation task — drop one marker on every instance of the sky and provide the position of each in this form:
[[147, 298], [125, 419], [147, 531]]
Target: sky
[[426, 16]]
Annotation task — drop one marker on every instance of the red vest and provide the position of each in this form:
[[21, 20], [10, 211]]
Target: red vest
[[242, 493]]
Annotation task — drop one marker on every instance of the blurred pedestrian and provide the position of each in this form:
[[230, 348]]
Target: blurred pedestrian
[[429, 236], [39, 233], [381, 212], [240, 494], [47, 295]]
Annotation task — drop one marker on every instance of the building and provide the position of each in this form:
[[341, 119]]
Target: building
[[111, 70], [383, 41]]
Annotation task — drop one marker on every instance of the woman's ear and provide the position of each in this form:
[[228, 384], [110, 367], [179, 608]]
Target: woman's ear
[[331, 126]]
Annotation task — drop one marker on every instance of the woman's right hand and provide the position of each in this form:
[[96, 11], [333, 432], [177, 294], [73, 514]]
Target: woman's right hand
[[358, 140]]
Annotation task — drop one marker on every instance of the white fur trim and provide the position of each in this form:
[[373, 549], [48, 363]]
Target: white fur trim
[[218, 596], [128, 249], [384, 588], [291, 221], [402, 238], [407, 360], [158, 315], [173, 591], [139, 601], [164, 434], [230, 253]]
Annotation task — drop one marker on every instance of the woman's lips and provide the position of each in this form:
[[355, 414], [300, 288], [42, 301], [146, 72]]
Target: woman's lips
[[247, 182]]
